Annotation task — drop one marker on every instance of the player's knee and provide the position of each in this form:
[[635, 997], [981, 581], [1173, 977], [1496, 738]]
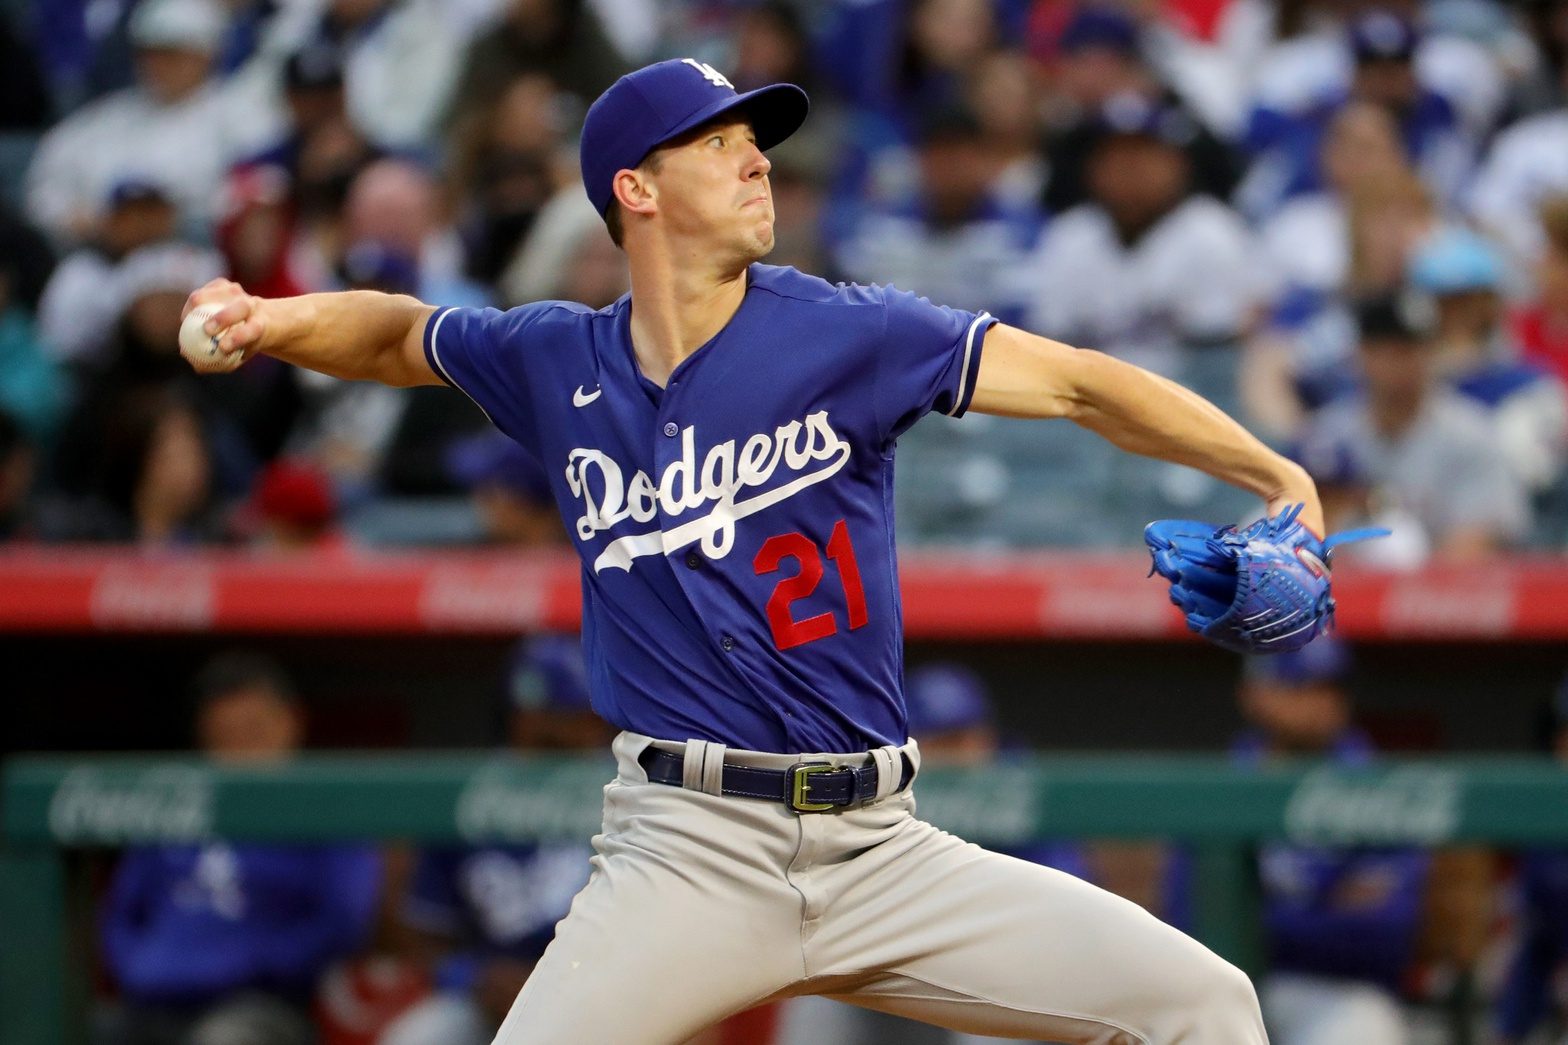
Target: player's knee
[[1229, 993]]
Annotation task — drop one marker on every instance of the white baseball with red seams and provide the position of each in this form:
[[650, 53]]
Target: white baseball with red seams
[[200, 349]]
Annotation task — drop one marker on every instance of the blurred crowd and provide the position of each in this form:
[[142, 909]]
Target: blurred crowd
[[231, 943], [1345, 221]]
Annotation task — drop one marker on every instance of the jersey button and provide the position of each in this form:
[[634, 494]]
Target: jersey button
[[693, 560], [727, 643], [671, 429]]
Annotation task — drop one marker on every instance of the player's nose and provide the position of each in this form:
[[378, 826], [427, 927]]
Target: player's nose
[[757, 163]]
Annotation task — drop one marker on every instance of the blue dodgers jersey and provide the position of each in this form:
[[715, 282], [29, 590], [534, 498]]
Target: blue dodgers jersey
[[740, 582]]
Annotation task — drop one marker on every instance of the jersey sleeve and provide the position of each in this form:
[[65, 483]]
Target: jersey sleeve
[[927, 360], [484, 353]]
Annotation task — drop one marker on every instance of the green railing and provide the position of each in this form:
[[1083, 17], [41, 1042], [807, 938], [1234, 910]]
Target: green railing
[[1220, 810]]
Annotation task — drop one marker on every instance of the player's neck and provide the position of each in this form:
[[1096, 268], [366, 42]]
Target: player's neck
[[676, 309]]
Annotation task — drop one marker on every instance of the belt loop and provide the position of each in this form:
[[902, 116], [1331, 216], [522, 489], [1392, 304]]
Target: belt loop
[[691, 764], [890, 769], [713, 770], [702, 767]]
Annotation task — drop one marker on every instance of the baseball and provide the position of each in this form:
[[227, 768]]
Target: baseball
[[201, 349]]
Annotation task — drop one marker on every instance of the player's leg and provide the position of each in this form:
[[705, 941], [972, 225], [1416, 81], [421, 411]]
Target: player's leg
[[968, 939], [686, 919]]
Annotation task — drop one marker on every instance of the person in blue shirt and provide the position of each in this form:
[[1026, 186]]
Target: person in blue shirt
[[228, 938], [488, 911], [720, 443], [1527, 999], [1341, 924]]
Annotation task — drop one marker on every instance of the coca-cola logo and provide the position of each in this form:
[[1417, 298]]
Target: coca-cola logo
[[168, 803], [1417, 608], [998, 805], [148, 596], [509, 803], [463, 596], [1407, 805]]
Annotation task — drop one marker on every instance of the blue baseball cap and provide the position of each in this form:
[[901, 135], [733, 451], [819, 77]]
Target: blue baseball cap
[[1097, 27], [944, 697], [1454, 261], [644, 109], [548, 673], [1324, 659]]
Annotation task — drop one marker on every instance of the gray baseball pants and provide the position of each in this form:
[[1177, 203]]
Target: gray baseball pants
[[702, 905]]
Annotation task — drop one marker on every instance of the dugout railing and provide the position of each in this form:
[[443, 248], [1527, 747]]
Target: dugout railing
[[50, 805]]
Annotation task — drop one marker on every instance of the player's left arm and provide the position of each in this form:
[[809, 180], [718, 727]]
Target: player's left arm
[[1024, 375]]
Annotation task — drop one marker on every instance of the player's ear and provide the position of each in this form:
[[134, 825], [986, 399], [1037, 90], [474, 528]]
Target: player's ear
[[634, 192]]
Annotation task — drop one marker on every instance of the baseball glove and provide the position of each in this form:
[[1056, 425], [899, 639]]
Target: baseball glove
[[1264, 589]]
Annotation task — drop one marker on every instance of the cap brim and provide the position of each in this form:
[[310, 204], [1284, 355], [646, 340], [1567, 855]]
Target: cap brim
[[775, 111]]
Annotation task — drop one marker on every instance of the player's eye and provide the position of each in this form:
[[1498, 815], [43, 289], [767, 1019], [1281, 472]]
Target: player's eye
[[717, 138]]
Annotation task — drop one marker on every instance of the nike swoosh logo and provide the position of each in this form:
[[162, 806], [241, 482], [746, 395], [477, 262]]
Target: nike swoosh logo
[[581, 398]]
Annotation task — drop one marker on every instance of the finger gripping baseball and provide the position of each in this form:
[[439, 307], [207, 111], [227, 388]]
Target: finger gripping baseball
[[1264, 589]]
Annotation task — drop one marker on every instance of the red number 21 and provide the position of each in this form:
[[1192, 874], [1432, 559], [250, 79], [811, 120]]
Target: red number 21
[[787, 631]]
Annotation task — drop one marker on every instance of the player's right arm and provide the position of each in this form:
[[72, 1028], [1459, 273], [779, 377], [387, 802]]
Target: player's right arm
[[359, 335]]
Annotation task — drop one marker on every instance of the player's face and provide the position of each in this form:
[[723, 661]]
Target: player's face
[[249, 725], [712, 189]]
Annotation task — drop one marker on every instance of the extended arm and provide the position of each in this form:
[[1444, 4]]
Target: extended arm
[[1023, 375], [359, 335]]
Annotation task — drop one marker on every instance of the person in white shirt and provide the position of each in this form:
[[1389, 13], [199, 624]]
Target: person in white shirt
[[176, 126]]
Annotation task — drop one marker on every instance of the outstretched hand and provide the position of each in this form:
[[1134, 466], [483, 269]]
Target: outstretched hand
[[241, 317]]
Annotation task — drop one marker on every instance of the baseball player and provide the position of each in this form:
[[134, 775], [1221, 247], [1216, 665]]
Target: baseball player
[[720, 444]]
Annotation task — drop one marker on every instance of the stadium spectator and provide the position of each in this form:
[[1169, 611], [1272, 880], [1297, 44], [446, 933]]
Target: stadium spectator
[[1427, 451], [1527, 998], [563, 39], [1524, 169], [223, 942], [1005, 98], [954, 238], [319, 148], [176, 125], [1541, 325], [1287, 143], [1529, 408], [150, 479], [509, 490], [78, 310], [400, 63], [503, 169], [397, 206], [1147, 270], [1341, 925], [291, 508], [1100, 62], [485, 913], [1304, 356]]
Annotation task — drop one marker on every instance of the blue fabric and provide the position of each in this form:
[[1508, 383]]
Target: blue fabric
[[1491, 383], [1297, 138], [188, 924], [1351, 913], [768, 457], [495, 901], [1543, 943]]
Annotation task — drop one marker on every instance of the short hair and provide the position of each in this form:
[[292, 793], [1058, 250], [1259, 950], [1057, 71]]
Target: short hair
[[239, 670]]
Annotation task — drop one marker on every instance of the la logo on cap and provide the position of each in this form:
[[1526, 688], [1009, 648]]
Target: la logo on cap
[[712, 75]]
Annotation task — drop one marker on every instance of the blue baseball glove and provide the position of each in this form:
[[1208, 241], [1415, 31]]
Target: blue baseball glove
[[1264, 589]]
